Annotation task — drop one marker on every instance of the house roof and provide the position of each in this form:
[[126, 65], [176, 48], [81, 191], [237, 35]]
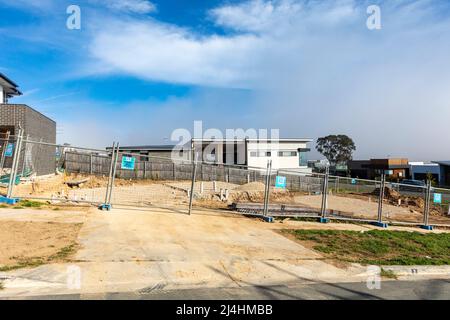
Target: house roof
[[146, 148], [443, 163], [9, 86], [294, 140], [12, 83]]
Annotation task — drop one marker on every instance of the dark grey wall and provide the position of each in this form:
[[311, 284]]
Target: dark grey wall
[[36, 157], [12, 115]]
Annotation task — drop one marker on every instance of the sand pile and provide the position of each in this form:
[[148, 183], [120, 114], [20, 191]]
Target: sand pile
[[413, 203], [98, 181], [389, 194], [254, 192], [251, 187], [58, 184]]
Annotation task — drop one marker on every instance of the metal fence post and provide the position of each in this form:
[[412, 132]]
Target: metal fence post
[[426, 213], [194, 173], [25, 154], [113, 177], [5, 145], [174, 172], [323, 210], [105, 204], [267, 192], [380, 222], [91, 165], [14, 165]]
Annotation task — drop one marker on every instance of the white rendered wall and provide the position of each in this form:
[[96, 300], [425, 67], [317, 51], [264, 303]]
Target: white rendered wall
[[278, 163], [2, 95]]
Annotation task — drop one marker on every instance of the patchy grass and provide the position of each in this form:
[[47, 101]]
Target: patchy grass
[[39, 205], [24, 204], [62, 255], [31, 204], [388, 274], [378, 247], [29, 244], [26, 263]]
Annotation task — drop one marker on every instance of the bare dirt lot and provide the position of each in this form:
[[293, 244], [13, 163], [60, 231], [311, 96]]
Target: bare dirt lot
[[136, 192], [208, 194], [31, 243], [367, 208], [357, 208], [134, 249], [57, 185]]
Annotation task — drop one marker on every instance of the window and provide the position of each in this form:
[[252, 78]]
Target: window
[[260, 154], [287, 153], [303, 159]]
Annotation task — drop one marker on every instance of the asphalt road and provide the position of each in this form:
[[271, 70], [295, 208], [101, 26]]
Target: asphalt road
[[390, 290]]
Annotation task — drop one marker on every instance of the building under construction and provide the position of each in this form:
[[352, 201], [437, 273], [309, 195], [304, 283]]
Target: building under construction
[[34, 158]]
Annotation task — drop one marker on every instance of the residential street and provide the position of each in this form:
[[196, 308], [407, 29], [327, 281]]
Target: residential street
[[403, 290]]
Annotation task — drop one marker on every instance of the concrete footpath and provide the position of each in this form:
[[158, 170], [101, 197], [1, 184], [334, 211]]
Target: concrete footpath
[[161, 250], [389, 290]]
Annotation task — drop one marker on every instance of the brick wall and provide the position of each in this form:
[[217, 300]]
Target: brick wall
[[36, 157]]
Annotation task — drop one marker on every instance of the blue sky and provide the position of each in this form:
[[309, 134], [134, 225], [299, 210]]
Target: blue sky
[[137, 70]]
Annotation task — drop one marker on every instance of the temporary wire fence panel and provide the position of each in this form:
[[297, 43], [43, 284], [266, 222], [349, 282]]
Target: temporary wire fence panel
[[80, 175], [404, 203], [7, 147], [439, 207], [41, 168]]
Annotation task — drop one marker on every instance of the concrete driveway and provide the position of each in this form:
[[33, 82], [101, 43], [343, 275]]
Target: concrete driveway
[[144, 250]]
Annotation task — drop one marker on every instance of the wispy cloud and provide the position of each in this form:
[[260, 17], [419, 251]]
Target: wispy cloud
[[30, 92], [161, 52], [30, 5], [59, 96], [128, 6]]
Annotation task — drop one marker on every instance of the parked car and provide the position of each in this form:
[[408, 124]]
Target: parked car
[[411, 185]]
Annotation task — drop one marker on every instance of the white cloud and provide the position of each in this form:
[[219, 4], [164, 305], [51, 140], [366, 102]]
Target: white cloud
[[266, 31], [281, 16], [134, 6], [30, 5], [156, 51], [257, 15]]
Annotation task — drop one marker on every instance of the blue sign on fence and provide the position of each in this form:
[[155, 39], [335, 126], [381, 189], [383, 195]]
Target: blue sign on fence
[[9, 150], [128, 163], [353, 181], [280, 182], [438, 198]]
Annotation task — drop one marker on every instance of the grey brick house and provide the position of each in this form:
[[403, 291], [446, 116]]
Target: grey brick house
[[40, 159]]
